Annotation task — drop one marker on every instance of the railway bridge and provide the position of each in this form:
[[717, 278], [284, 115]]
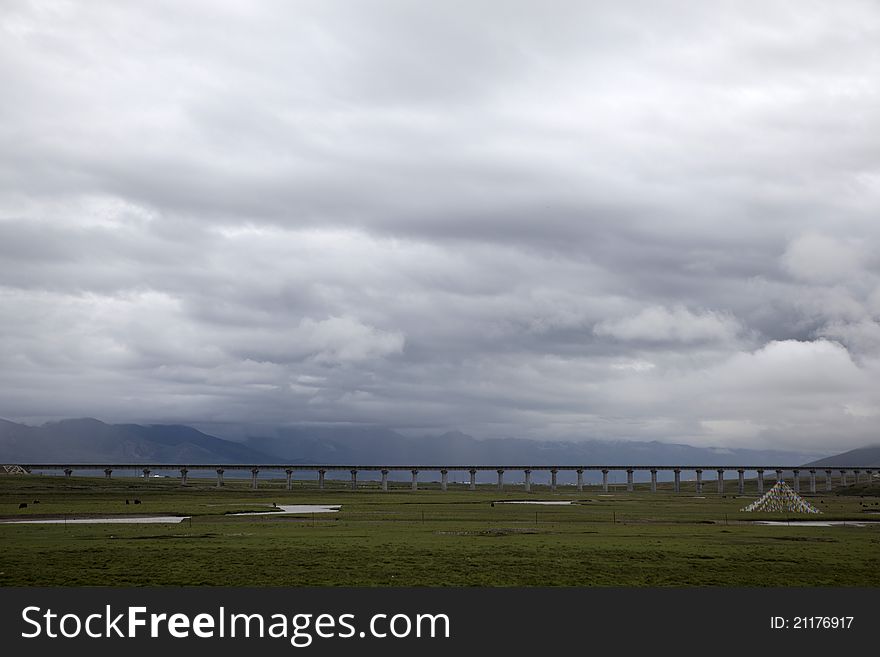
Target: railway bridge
[[796, 473]]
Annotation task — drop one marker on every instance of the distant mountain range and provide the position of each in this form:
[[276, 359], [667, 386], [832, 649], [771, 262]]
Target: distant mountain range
[[375, 446], [90, 440], [863, 456]]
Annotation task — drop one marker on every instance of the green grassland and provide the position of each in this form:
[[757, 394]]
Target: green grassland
[[426, 537]]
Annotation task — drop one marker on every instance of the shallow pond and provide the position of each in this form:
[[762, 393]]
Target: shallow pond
[[294, 508], [546, 503], [816, 523], [148, 520]]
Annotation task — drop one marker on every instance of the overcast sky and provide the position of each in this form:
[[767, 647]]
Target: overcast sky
[[635, 220]]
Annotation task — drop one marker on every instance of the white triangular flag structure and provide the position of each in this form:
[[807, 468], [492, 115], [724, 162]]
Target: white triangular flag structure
[[781, 498]]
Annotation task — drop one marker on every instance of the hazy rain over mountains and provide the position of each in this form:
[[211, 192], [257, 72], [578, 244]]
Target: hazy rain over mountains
[[565, 220]]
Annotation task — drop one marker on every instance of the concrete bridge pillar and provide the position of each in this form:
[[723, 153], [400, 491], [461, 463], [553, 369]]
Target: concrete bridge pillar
[[384, 479], [605, 480], [813, 482], [500, 479], [779, 476], [528, 474], [67, 473], [796, 478], [629, 480], [183, 473], [870, 475], [444, 479], [677, 484], [146, 473], [289, 474], [553, 479], [740, 481], [415, 479], [829, 485], [354, 479], [760, 482], [220, 472], [108, 472], [321, 475], [720, 481], [856, 476], [699, 481], [473, 484], [254, 473], [580, 479], [843, 477], [653, 480]]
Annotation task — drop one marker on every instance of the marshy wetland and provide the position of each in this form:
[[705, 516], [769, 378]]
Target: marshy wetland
[[236, 536]]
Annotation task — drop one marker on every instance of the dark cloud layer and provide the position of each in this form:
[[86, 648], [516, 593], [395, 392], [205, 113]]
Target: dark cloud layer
[[619, 220]]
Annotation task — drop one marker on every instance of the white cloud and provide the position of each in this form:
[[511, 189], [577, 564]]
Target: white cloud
[[633, 366], [678, 324], [862, 336], [726, 431], [792, 370], [346, 340], [819, 258]]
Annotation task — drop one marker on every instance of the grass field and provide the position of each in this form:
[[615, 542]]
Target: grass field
[[425, 538]]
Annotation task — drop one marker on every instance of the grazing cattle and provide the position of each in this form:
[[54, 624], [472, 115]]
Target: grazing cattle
[[126, 501], [137, 501], [23, 505], [36, 501]]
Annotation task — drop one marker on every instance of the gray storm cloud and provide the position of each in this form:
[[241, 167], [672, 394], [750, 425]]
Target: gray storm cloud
[[633, 220]]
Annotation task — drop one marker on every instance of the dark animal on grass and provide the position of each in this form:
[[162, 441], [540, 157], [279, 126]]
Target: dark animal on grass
[[36, 501], [126, 501], [23, 505], [137, 501]]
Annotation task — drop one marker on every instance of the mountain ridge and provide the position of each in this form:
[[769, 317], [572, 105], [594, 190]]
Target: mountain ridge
[[83, 440], [868, 456]]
